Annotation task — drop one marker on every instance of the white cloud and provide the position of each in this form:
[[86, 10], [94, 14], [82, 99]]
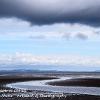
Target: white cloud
[[17, 28], [74, 60]]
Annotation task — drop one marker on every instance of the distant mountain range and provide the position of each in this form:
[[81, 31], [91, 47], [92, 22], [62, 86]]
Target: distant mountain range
[[2, 72]]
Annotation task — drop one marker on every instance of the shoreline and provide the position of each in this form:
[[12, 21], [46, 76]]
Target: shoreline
[[62, 88], [23, 78], [37, 91], [84, 82]]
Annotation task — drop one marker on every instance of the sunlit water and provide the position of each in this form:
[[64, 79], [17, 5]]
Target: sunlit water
[[41, 85]]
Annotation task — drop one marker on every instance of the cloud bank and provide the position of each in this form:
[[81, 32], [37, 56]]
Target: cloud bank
[[66, 60], [42, 12], [15, 29]]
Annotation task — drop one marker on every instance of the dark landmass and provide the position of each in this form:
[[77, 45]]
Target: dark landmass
[[12, 76], [21, 78], [88, 82], [7, 77]]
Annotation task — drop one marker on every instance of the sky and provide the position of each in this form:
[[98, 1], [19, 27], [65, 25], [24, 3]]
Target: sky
[[55, 32]]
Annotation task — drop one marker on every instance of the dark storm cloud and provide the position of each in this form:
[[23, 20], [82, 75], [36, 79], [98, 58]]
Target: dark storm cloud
[[42, 12]]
